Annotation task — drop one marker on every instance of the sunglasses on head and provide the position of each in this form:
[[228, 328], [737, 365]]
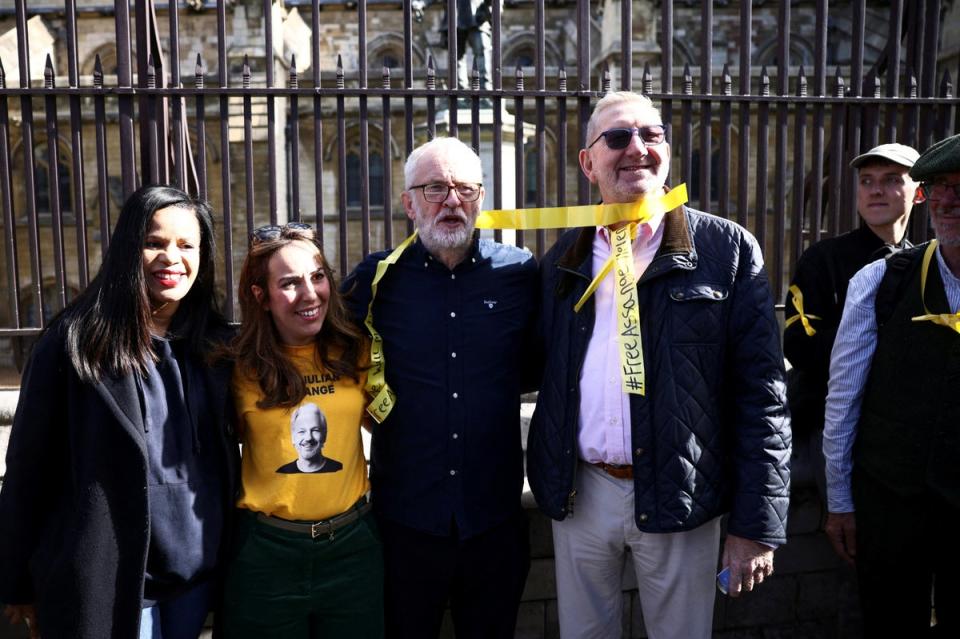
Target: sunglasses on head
[[273, 232], [618, 139]]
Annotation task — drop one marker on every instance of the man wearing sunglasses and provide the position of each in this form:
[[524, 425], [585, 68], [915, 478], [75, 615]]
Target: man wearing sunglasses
[[891, 437], [645, 478], [457, 316]]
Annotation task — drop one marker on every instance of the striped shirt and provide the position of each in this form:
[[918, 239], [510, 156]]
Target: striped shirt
[[849, 368]]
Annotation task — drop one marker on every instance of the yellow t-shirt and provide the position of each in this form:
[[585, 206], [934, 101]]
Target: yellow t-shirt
[[290, 467]]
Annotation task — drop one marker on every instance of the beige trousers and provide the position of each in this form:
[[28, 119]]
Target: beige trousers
[[675, 572]]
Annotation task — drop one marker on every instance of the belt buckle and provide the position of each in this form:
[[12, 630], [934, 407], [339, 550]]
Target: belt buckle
[[317, 529]]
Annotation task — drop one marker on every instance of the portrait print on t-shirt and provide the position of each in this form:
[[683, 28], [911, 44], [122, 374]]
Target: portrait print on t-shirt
[[308, 433]]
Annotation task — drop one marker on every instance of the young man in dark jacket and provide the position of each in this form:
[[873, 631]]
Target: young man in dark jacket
[[885, 197], [648, 476]]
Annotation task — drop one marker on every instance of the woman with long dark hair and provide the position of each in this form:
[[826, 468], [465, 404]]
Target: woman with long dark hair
[[121, 460], [307, 559]]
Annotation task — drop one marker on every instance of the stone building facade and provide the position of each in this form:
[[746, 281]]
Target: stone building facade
[[339, 38]]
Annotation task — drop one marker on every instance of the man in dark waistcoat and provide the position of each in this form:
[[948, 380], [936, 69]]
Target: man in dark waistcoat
[[891, 435]]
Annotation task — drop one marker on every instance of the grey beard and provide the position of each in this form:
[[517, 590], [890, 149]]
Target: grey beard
[[436, 240], [944, 238]]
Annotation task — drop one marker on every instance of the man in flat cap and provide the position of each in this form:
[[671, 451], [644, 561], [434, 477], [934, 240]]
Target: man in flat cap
[[892, 434], [885, 196]]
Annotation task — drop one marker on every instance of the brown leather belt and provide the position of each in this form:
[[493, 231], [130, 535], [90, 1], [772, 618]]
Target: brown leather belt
[[316, 528], [615, 470]]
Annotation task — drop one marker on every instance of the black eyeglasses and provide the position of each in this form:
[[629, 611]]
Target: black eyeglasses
[[938, 190], [618, 139], [437, 192], [273, 232]]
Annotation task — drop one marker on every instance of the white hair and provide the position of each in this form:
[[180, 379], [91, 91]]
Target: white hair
[[451, 147], [614, 98], [309, 407]]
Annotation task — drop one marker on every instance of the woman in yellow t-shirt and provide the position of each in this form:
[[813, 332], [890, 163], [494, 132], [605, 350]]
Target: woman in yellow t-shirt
[[307, 560]]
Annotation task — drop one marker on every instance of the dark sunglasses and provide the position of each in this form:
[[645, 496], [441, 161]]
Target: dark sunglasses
[[618, 139], [273, 232]]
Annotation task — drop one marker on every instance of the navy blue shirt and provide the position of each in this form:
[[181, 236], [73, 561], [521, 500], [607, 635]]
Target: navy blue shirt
[[458, 349]]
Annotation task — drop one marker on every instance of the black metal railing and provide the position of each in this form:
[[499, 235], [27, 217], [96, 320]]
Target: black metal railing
[[149, 124]]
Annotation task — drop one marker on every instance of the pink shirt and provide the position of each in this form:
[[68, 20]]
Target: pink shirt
[[603, 430]]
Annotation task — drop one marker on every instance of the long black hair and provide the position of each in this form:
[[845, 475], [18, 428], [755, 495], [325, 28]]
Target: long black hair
[[107, 326]]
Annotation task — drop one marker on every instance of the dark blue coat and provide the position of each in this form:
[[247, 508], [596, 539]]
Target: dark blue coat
[[712, 433], [74, 515]]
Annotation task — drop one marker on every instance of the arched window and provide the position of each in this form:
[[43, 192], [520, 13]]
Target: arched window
[[375, 174], [524, 56], [530, 179], [108, 60], [42, 178]]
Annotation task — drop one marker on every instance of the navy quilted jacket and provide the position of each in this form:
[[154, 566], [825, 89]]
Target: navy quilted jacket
[[712, 433]]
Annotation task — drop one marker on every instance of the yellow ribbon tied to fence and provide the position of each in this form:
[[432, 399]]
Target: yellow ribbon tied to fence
[[797, 297], [621, 260], [948, 320]]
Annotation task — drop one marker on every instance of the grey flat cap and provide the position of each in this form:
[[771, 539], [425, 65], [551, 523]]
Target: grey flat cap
[[942, 157], [897, 153]]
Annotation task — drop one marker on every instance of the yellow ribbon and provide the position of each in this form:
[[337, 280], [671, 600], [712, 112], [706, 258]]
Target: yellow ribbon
[[642, 211], [949, 320], [632, 378], [383, 398], [797, 298], [561, 217], [631, 355]]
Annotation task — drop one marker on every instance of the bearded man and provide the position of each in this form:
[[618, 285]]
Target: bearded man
[[456, 316], [891, 438]]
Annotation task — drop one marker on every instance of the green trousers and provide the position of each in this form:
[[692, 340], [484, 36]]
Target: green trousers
[[286, 585]]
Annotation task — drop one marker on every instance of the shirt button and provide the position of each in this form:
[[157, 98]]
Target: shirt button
[[455, 396], [613, 420], [452, 314], [453, 276], [638, 452], [424, 265], [456, 435], [452, 473], [453, 354], [643, 516]]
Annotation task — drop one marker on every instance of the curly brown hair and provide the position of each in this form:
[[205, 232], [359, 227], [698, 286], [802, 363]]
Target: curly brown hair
[[257, 349]]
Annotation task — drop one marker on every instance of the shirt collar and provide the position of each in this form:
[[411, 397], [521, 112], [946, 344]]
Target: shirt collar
[[420, 253], [645, 230]]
